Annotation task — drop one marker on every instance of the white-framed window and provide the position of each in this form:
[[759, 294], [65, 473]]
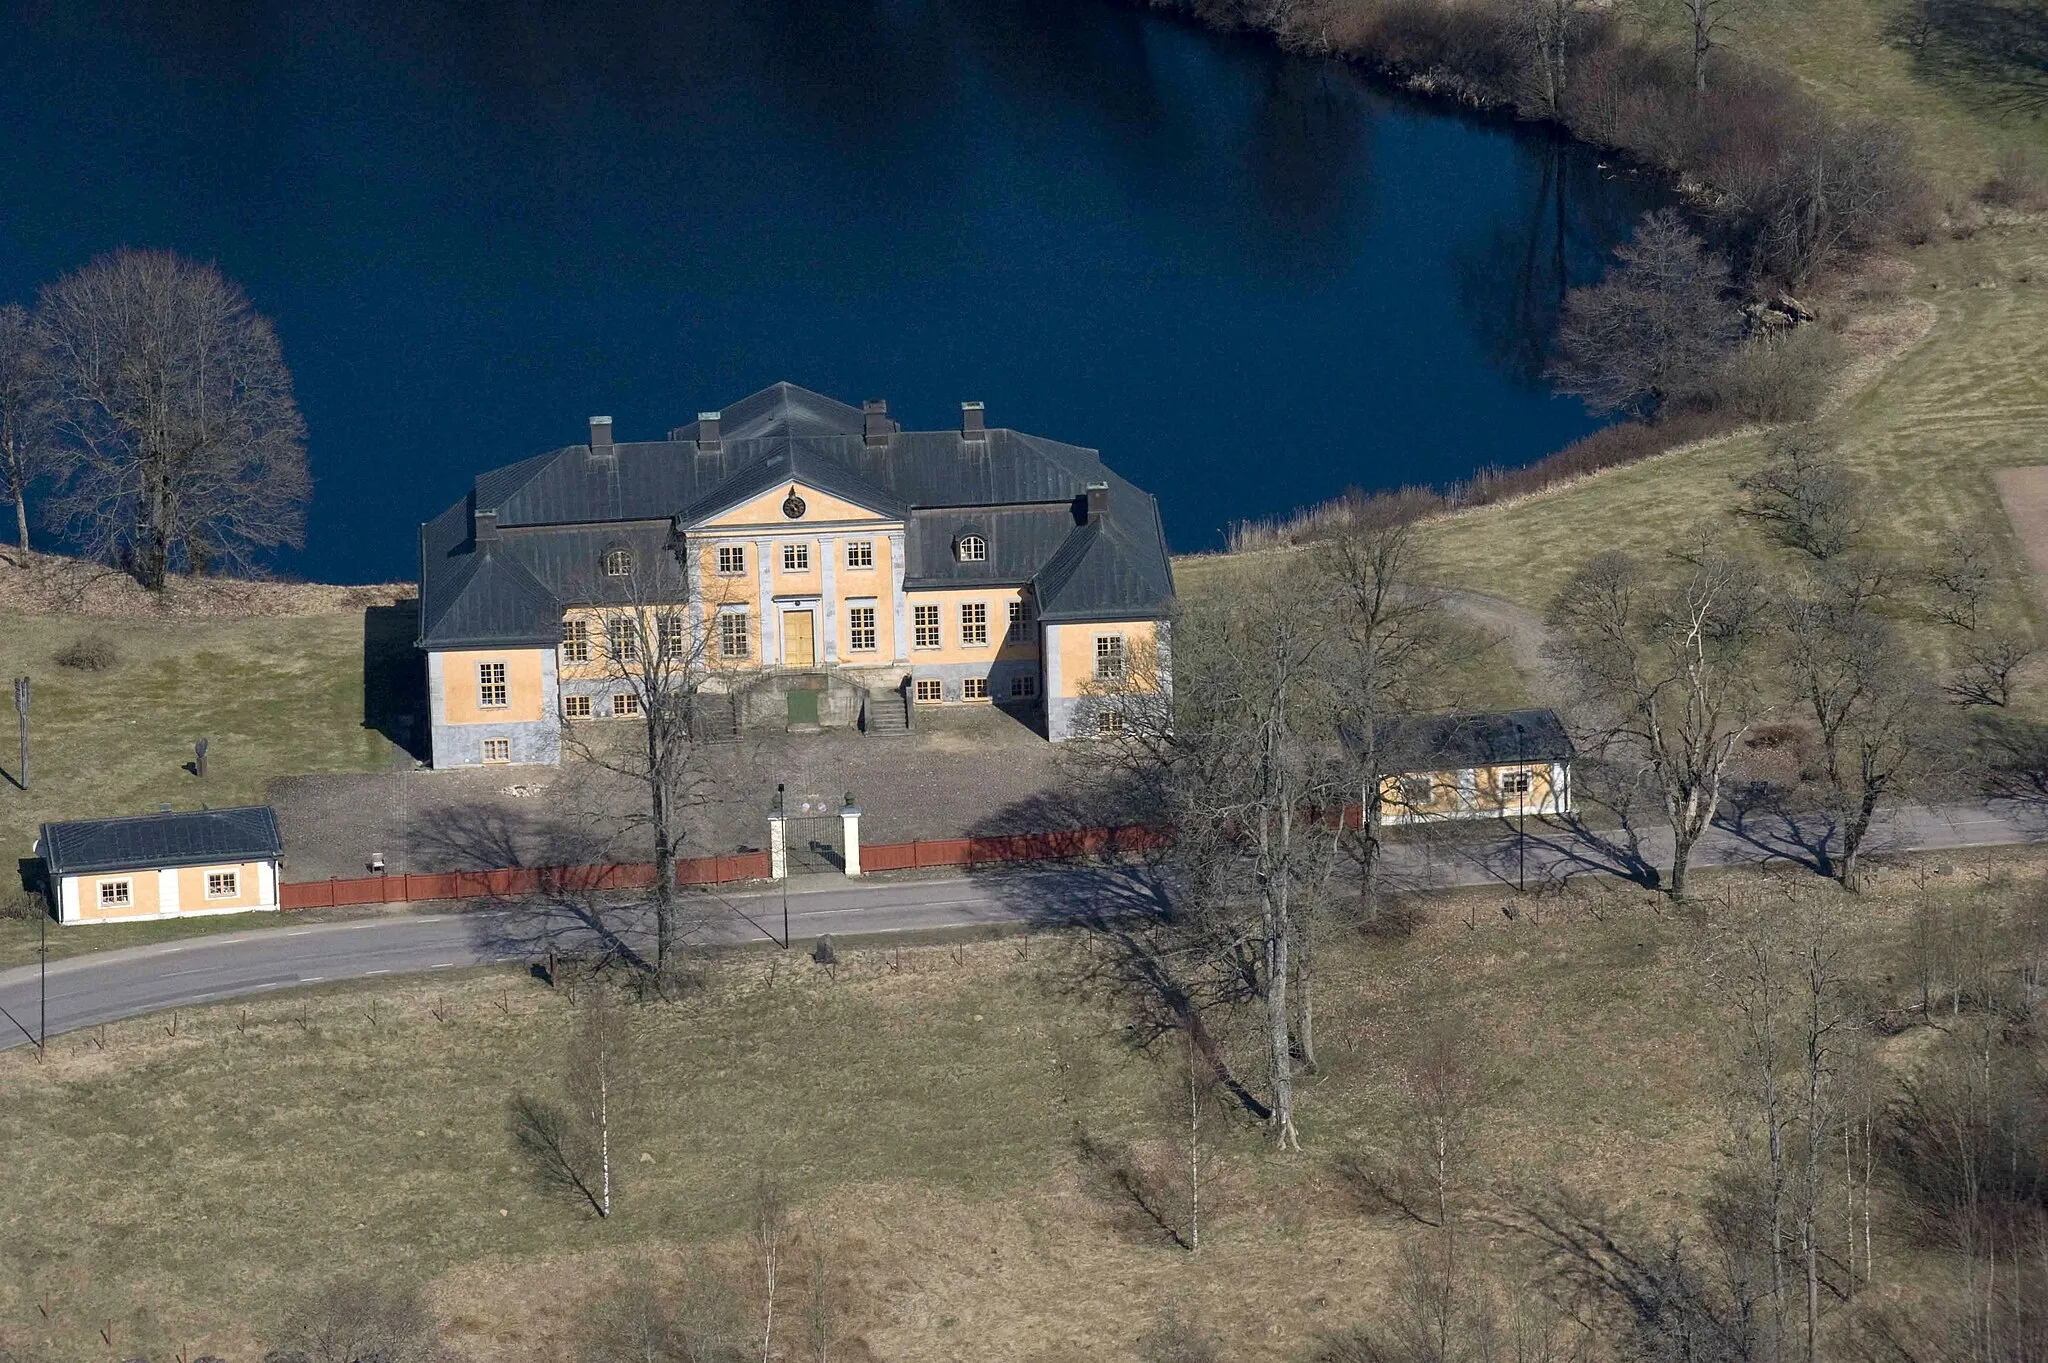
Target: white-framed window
[[1109, 722], [1023, 685], [575, 707], [1418, 791], [860, 553], [116, 894], [1020, 621], [672, 634], [223, 884], [497, 750], [1109, 657], [732, 560], [973, 549], [618, 562], [622, 639], [1514, 783], [974, 688], [861, 635], [924, 622], [974, 624], [491, 690], [796, 558], [930, 691], [625, 704], [575, 641], [732, 634]]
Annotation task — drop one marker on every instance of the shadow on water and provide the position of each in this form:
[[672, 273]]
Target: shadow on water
[[395, 677]]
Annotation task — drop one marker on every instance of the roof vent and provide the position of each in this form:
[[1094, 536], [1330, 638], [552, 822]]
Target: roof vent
[[973, 424], [1098, 502], [483, 526], [707, 430], [600, 432], [874, 421]]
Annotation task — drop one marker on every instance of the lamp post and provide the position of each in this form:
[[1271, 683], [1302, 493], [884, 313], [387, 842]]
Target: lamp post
[[21, 690]]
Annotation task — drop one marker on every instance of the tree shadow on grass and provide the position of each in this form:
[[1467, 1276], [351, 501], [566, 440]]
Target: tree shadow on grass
[[1993, 53]]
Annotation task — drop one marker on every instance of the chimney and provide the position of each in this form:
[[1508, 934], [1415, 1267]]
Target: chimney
[[874, 421], [600, 432], [1098, 502], [483, 527], [707, 430], [973, 423]]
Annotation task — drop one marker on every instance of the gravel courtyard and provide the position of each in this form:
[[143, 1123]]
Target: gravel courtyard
[[962, 771]]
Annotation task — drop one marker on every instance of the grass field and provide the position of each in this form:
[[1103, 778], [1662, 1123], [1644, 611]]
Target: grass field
[[921, 1105]]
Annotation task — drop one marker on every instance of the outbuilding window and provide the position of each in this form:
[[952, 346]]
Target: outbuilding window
[[1514, 783], [116, 894], [223, 884]]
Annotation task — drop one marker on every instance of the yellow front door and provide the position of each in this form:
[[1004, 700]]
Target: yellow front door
[[799, 644]]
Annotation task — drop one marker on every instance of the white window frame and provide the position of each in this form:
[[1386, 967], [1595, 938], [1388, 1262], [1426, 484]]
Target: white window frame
[[233, 884], [486, 686], [972, 549], [618, 562], [732, 560], [796, 556], [974, 624], [860, 554], [118, 893]]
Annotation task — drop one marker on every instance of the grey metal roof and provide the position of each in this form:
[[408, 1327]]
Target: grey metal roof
[[1488, 739], [148, 841], [553, 511]]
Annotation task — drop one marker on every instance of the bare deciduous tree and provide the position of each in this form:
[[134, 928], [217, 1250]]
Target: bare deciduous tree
[[1807, 496], [1875, 715], [27, 412], [1669, 663], [1990, 663], [768, 1230], [1960, 575], [1655, 330], [183, 446], [360, 1320], [699, 1320]]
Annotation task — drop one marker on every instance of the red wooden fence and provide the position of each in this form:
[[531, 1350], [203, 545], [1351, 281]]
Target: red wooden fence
[[887, 856]]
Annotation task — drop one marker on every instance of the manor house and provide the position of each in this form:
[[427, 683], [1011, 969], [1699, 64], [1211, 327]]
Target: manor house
[[813, 562]]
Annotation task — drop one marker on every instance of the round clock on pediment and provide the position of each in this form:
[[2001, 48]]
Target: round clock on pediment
[[793, 506]]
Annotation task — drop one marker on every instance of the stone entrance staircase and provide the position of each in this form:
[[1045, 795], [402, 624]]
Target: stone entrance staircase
[[885, 713]]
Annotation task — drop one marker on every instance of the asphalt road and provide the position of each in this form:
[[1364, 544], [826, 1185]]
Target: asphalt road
[[106, 986]]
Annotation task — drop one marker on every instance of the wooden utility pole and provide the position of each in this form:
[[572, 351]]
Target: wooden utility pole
[[21, 705]]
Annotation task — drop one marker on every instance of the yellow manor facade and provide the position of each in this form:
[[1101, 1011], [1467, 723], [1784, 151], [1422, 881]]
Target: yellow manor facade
[[816, 563]]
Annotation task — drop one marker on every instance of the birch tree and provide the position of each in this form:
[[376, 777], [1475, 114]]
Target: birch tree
[[183, 447], [26, 415], [568, 1145], [1669, 663]]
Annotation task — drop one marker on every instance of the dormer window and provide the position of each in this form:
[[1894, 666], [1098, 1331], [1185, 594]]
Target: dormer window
[[971, 549], [618, 562]]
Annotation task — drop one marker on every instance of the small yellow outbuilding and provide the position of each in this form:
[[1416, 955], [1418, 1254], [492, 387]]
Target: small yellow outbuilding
[[168, 865], [1472, 766]]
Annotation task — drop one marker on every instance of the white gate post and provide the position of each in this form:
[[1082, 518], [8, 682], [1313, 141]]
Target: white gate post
[[778, 842], [849, 824]]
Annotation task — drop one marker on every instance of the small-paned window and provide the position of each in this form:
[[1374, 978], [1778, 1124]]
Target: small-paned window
[[674, 638], [974, 624], [618, 563], [973, 549], [1109, 722], [1020, 621], [925, 622], [497, 750], [1024, 686], [621, 639], [1514, 783], [732, 559], [223, 884], [974, 688], [860, 553], [929, 691], [576, 707], [116, 894], [732, 634], [796, 558], [1109, 657], [1417, 791], [491, 691], [860, 629], [625, 705], [575, 641]]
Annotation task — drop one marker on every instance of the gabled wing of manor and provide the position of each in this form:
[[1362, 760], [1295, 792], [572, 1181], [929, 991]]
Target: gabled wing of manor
[[831, 568]]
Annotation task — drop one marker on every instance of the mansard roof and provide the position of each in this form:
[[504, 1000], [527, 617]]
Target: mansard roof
[[553, 513]]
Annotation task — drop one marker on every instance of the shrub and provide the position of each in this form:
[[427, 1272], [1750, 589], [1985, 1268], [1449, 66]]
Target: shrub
[[1780, 377], [2019, 182], [91, 653]]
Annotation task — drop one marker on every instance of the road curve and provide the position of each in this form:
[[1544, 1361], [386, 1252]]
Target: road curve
[[107, 986]]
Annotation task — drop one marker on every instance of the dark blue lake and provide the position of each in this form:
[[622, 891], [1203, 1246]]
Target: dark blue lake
[[1251, 279]]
